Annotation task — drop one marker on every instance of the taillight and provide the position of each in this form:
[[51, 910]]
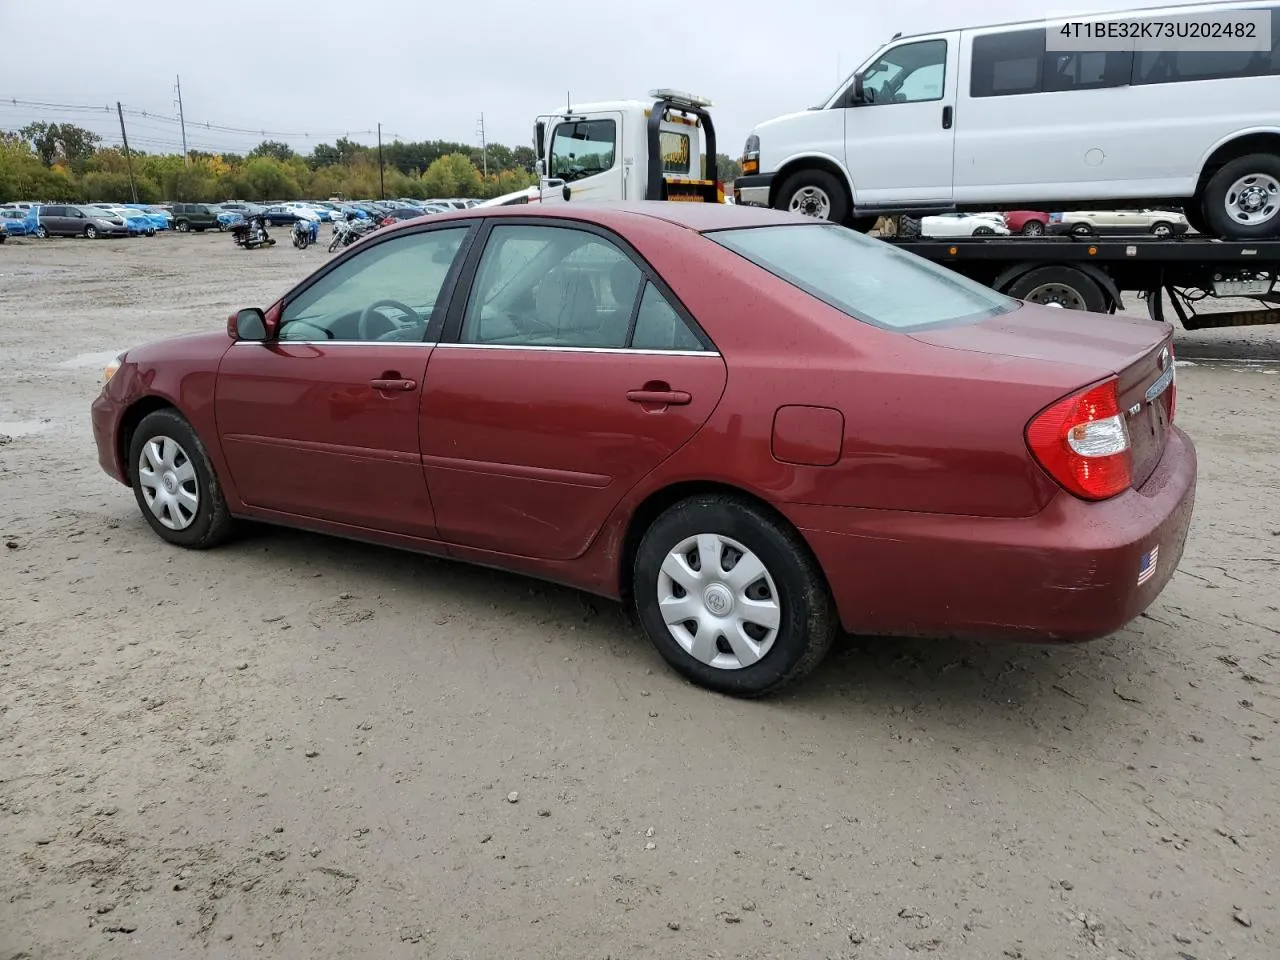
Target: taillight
[[1083, 442]]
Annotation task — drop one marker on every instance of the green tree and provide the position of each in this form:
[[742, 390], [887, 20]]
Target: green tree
[[62, 141], [324, 155], [453, 175], [274, 149]]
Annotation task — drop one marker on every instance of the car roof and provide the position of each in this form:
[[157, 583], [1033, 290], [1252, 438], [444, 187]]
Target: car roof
[[699, 217]]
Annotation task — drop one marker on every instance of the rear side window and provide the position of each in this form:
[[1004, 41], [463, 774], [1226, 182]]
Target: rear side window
[[1007, 64], [865, 278], [1086, 70], [1182, 66]]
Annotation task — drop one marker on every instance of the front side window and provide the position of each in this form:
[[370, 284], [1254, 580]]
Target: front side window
[[1007, 64], [387, 292], [865, 278], [911, 73], [583, 148], [551, 287]]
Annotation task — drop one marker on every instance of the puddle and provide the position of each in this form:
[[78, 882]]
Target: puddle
[[90, 359], [9, 429]]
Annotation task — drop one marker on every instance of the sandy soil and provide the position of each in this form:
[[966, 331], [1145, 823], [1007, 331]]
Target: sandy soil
[[300, 747]]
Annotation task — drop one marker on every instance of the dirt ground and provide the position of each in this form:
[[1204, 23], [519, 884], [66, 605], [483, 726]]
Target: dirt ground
[[295, 746]]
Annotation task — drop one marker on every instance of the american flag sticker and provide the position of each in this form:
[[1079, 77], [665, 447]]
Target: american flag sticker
[[1147, 567]]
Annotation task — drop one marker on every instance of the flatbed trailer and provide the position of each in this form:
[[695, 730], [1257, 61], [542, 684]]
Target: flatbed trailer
[[1091, 273]]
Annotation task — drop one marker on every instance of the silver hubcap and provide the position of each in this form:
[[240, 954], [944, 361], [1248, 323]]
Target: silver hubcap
[[168, 481], [812, 202], [1161, 230], [1033, 228], [1253, 199], [1056, 295], [719, 602]]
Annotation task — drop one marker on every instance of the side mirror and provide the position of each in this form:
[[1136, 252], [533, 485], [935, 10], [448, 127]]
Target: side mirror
[[859, 92], [566, 192], [540, 166], [247, 324]]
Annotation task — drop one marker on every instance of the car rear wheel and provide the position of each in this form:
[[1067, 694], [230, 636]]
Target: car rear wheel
[[983, 232], [1081, 230], [42, 233], [1033, 228], [182, 226], [1242, 199], [731, 596], [1059, 287], [91, 232], [1161, 229], [174, 482]]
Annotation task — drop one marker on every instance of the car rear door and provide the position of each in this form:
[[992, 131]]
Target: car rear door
[[567, 372], [321, 421]]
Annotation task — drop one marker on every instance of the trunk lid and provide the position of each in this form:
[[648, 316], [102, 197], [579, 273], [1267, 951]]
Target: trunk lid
[[1136, 351]]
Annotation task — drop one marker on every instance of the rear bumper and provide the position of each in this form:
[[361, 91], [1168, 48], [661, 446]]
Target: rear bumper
[[753, 190], [1069, 573]]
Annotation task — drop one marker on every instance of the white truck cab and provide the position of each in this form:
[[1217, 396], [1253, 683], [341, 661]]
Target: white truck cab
[[628, 150], [1000, 117]]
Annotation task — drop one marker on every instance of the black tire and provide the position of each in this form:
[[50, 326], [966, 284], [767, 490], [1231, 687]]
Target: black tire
[[1162, 228], [182, 226], [222, 227], [42, 233], [805, 187], [983, 232], [1032, 228], [808, 617], [90, 232], [1070, 288], [1081, 230], [1195, 218], [1214, 202], [212, 522]]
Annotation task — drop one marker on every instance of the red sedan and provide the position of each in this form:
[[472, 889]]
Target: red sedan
[[1030, 223], [755, 426]]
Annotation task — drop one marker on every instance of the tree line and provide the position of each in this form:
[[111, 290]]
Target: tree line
[[64, 162]]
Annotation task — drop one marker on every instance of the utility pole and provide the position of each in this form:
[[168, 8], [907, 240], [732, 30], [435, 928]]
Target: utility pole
[[382, 183], [484, 148], [182, 120], [128, 159]]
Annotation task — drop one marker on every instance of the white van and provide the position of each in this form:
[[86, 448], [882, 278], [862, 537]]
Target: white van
[[988, 118]]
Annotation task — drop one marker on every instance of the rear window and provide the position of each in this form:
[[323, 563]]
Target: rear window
[[865, 278]]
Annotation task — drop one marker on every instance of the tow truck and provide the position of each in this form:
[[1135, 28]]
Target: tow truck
[[651, 150]]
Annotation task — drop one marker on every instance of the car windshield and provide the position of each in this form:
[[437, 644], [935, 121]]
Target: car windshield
[[863, 277]]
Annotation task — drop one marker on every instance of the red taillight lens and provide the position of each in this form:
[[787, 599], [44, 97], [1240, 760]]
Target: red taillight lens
[[1083, 442]]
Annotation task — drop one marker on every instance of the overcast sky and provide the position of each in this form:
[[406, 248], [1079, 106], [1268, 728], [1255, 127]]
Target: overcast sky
[[308, 71]]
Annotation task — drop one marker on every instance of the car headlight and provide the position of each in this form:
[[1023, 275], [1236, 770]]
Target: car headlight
[[110, 369]]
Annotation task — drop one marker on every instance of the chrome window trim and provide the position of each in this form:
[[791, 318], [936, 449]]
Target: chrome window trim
[[543, 348]]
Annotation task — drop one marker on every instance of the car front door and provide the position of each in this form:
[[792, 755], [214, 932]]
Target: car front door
[[587, 156], [900, 138], [321, 420], [566, 374]]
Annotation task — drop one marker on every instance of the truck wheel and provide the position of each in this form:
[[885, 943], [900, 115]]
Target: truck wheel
[[1059, 287], [1242, 200], [814, 193]]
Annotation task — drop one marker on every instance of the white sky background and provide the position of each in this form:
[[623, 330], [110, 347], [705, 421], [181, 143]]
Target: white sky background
[[427, 69]]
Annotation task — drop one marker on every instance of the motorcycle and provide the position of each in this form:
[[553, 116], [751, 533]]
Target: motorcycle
[[251, 233], [347, 232], [305, 232]]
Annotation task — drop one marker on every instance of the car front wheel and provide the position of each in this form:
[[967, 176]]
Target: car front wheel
[[731, 596], [175, 484]]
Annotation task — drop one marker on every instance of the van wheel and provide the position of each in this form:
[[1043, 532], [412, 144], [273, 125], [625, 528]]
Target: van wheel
[[814, 193], [1242, 200], [731, 596], [42, 233], [1059, 287], [91, 232]]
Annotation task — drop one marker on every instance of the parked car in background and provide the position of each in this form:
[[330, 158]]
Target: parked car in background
[[1083, 223], [137, 223], [195, 216], [963, 225], [16, 224], [400, 214], [247, 209], [160, 218], [72, 220], [279, 213], [684, 406], [1029, 223], [229, 218]]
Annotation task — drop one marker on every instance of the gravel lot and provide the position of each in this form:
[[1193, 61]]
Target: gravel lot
[[297, 747]]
